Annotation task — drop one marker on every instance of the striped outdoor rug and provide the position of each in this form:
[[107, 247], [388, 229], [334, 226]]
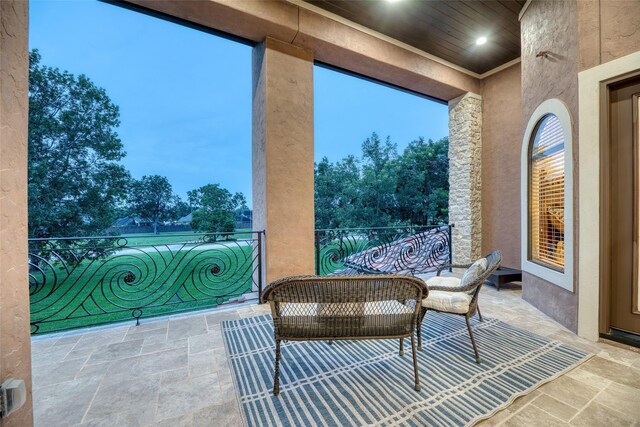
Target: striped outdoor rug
[[358, 383]]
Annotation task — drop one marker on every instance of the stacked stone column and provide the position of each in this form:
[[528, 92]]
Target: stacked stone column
[[465, 152]]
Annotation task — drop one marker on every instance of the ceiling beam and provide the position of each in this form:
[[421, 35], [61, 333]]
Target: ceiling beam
[[332, 40]]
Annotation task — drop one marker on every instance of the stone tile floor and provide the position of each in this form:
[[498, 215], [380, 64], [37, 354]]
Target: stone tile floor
[[174, 372]]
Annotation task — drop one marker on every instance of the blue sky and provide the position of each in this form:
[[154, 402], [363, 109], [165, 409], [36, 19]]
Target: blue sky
[[185, 96]]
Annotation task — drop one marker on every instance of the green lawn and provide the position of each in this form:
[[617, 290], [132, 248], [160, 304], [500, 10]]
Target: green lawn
[[138, 282], [176, 237]]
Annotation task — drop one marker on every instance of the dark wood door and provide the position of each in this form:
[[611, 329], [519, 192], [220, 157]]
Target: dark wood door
[[624, 208]]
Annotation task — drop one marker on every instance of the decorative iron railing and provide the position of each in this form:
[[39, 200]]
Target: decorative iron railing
[[80, 282], [400, 250]]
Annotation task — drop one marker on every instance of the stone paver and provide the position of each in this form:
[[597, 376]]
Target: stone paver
[[175, 372]]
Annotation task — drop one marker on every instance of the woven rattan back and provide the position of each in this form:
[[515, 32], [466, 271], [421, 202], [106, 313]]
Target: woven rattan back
[[345, 307], [493, 262]]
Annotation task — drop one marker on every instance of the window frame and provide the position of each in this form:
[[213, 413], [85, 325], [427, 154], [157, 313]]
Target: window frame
[[530, 192], [563, 279]]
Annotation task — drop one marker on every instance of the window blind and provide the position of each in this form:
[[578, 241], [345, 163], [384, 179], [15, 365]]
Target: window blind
[[546, 193]]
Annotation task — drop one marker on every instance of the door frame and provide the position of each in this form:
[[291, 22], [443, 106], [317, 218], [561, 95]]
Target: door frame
[[635, 99], [605, 203], [592, 87]]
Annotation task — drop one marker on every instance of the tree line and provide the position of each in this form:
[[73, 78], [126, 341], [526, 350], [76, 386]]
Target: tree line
[[78, 187], [212, 207], [383, 188], [76, 184]]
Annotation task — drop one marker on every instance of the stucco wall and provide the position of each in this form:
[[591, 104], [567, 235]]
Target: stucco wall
[[15, 344], [607, 30], [283, 157], [551, 26], [501, 142], [620, 28]]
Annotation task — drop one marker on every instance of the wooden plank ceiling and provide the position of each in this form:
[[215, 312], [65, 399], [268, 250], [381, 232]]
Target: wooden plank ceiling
[[447, 29]]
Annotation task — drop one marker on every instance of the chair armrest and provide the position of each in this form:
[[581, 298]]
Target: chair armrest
[[454, 288], [445, 267]]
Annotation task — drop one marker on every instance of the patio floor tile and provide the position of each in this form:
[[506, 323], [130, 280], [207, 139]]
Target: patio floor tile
[[555, 407], [599, 415], [174, 372], [216, 318], [570, 391], [124, 396], [136, 335], [146, 364], [200, 343], [532, 416], [186, 327], [141, 416], [614, 371], [116, 351], [56, 373], [183, 397], [53, 408], [622, 398]]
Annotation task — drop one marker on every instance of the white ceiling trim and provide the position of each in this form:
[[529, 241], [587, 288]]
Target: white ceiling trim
[[524, 9], [500, 68], [381, 36]]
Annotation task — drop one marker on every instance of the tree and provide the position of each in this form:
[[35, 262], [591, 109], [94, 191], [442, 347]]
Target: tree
[[438, 181], [378, 185], [74, 178], [384, 189], [214, 208], [152, 197], [336, 193], [182, 208], [422, 190]]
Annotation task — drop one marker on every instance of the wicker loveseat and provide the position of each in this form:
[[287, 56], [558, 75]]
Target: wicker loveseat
[[345, 308]]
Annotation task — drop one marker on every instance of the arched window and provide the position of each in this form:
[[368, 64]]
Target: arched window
[[547, 195]]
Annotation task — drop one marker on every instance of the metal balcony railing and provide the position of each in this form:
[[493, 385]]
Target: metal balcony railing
[[399, 250], [81, 282]]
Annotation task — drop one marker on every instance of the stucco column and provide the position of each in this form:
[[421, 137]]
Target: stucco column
[[15, 343], [283, 156], [465, 179]]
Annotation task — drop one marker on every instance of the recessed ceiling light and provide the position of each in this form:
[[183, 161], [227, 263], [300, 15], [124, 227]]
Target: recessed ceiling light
[[481, 40], [393, 1]]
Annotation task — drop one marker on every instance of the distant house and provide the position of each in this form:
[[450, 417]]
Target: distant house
[[131, 221], [244, 218], [185, 219]]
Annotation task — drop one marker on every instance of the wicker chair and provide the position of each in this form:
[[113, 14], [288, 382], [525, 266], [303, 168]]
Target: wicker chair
[[459, 296], [345, 308]]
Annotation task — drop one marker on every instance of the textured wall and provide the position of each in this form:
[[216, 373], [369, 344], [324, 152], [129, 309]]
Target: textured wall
[[15, 344], [552, 26], [283, 156], [620, 28], [501, 144], [607, 30], [465, 176], [588, 33]]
